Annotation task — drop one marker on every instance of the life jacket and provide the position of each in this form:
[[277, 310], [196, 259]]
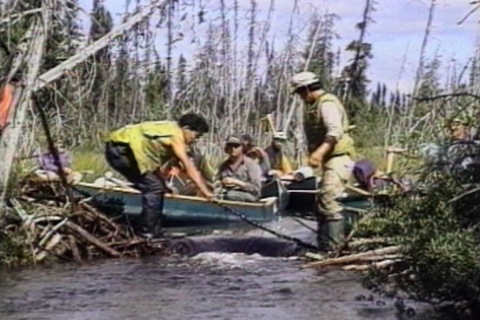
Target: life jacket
[[149, 142], [316, 130]]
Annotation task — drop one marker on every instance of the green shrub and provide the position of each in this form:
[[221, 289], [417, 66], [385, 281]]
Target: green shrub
[[440, 240]]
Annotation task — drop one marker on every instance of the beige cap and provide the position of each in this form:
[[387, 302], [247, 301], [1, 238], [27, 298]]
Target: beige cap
[[281, 135], [303, 79], [234, 139]]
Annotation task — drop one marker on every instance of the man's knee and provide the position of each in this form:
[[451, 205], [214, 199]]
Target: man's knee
[[330, 191], [151, 183]]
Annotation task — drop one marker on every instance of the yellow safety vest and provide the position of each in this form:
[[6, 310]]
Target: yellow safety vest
[[316, 131], [150, 142]]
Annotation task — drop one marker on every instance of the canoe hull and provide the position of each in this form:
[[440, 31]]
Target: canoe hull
[[180, 211]]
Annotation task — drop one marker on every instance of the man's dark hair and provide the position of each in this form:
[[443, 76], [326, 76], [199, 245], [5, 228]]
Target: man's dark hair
[[194, 122], [248, 139]]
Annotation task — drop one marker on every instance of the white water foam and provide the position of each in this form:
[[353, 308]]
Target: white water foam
[[228, 260]]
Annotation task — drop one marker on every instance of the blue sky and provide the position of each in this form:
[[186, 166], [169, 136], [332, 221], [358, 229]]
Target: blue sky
[[396, 35]]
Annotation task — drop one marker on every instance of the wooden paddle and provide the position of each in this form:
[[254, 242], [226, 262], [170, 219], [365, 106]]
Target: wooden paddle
[[391, 151], [271, 124]]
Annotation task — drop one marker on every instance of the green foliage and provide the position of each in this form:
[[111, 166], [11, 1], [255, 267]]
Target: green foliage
[[13, 250], [100, 64], [319, 48], [370, 124], [156, 90], [440, 237], [90, 159]]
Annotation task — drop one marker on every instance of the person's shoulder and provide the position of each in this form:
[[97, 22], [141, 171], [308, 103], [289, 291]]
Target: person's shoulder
[[223, 165], [250, 162], [327, 97], [162, 129]]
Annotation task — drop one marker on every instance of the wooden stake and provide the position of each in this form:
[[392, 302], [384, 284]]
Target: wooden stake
[[352, 258]]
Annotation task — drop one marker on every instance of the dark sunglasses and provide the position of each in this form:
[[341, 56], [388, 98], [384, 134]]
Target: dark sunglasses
[[233, 145]]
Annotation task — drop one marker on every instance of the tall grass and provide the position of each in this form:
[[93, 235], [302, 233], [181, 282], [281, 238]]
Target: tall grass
[[91, 161]]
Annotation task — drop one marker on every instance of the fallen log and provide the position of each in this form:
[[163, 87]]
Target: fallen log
[[91, 239], [352, 258], [365, 267], [365, 241]]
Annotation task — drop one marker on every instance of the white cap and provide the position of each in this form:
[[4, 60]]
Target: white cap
[[303, 79], [306, 172], [281, 135]]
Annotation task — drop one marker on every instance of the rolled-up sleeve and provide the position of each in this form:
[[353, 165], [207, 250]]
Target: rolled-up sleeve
[[332, 118]]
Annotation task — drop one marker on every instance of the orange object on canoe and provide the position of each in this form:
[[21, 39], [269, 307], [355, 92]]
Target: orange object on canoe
[[6, 99]]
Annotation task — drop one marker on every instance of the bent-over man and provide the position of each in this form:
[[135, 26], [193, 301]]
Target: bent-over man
[[137, 151]]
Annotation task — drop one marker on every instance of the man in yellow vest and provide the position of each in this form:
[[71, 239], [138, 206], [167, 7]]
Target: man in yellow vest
[[330, 149], [137, 151]]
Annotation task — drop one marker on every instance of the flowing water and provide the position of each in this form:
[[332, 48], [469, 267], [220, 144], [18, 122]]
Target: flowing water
[[207, 285]]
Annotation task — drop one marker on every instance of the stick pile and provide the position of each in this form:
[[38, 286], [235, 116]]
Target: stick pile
[[57, 229]]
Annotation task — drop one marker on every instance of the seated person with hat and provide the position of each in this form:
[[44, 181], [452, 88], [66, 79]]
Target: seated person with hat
[[251, 150], [279, 163], [239, 175]]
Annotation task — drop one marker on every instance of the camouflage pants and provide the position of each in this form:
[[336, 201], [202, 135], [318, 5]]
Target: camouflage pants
[[336, 172]]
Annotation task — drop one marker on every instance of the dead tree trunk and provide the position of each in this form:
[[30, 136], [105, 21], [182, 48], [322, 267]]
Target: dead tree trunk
[[35, 40]]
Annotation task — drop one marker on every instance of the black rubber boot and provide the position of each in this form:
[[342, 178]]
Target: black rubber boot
[[331, 233]]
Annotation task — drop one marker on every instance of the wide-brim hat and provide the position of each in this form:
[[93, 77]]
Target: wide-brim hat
[[303, 79]]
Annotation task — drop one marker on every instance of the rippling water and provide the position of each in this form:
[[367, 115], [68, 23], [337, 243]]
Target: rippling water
[[209, 285], [206, 286]]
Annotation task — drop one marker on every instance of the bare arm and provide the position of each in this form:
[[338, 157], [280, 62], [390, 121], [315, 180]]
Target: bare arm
[[180, 151]]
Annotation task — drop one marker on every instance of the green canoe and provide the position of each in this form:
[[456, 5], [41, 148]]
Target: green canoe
[[179, 210]]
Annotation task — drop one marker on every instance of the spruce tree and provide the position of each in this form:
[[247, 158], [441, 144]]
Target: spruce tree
[[100, 63]]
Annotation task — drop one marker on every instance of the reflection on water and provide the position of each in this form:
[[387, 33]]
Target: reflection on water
[[206, 286]]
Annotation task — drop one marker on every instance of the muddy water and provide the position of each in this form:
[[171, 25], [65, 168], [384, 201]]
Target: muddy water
[[209, 285]]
